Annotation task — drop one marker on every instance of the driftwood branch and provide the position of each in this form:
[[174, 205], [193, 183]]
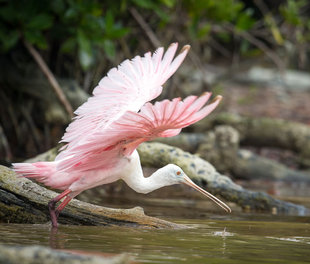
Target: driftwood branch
[[204, 174], [55, 85], [23, 201]]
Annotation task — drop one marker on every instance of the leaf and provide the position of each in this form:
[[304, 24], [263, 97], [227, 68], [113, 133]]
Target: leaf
[[8, 13], [36, 38], [83, 41], [274, 29], [69, 45], [113, 30], [40, 22], [85, 59], [58, 6], [85, 50], [8, 39], [204, 31], [109, 22], [169, 3], [245, 21], [71, 14], [109, 48], [291, 11], [118, 33], [147, 4]]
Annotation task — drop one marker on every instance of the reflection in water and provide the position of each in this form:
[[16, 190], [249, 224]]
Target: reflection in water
[[216, 241], [57, 239]]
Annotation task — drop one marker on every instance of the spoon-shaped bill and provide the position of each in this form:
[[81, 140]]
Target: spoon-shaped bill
[[190, 183]]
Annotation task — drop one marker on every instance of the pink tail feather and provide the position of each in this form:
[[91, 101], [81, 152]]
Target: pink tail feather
[[41, 171]]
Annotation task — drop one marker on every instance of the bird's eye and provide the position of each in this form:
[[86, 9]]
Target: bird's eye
[[178, 172]]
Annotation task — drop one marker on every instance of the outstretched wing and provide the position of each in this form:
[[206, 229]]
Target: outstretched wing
[[164, 119], [125, 88]]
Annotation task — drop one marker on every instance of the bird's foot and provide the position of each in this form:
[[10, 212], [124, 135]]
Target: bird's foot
[[53, 213]]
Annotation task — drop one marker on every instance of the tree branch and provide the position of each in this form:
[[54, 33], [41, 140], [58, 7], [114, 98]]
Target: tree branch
[[52, 80]]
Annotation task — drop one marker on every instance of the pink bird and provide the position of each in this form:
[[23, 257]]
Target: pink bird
[[107, 129]]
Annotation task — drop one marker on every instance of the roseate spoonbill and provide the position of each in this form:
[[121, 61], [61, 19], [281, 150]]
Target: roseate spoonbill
[[107, 129]]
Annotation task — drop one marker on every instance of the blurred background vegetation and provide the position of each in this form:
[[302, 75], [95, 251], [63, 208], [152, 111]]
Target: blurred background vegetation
[[80, 40]]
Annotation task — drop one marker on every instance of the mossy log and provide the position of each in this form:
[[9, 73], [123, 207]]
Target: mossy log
[[248, 165], [220, 147], [204, 174], [187, 141], [43, 255], [265, 131], [23, 201]]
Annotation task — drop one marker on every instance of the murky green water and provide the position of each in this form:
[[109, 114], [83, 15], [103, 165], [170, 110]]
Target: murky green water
[[205, 241], [212, 235]]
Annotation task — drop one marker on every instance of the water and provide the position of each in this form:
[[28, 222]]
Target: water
[[204, 241], [211, 236]]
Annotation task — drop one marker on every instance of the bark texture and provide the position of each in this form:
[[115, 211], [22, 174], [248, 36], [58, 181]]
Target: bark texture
[[204, 174], [266, 132], [23, 201]]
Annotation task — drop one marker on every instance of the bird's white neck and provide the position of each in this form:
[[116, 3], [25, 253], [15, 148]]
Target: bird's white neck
[[135, 179]]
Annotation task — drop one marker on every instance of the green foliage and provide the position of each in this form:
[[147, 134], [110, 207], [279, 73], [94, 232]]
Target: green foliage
[[291, 11], [293, 15], [206, 13], [26, 19], [81, 26], [86, 29]]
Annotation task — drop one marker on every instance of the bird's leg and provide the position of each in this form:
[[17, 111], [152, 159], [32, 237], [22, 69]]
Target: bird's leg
[[62, 205], [52, 203]]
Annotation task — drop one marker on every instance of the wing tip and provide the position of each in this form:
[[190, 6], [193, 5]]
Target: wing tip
[[217, 98], [173, 44], [185, 48]]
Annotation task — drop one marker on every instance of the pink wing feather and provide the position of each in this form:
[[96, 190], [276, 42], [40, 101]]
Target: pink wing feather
[[126, 88], [122, 137]]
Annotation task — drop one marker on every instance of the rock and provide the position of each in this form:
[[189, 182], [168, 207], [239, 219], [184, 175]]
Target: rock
[[220, 147], [290, 79], [44, 255]]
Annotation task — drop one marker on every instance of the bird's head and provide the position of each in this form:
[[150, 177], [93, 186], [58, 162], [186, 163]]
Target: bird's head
[[175, 175]]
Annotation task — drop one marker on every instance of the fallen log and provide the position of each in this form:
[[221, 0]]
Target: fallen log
[[23, 201], [155, 154], [220, 147], [265, 131], [249, 166]]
